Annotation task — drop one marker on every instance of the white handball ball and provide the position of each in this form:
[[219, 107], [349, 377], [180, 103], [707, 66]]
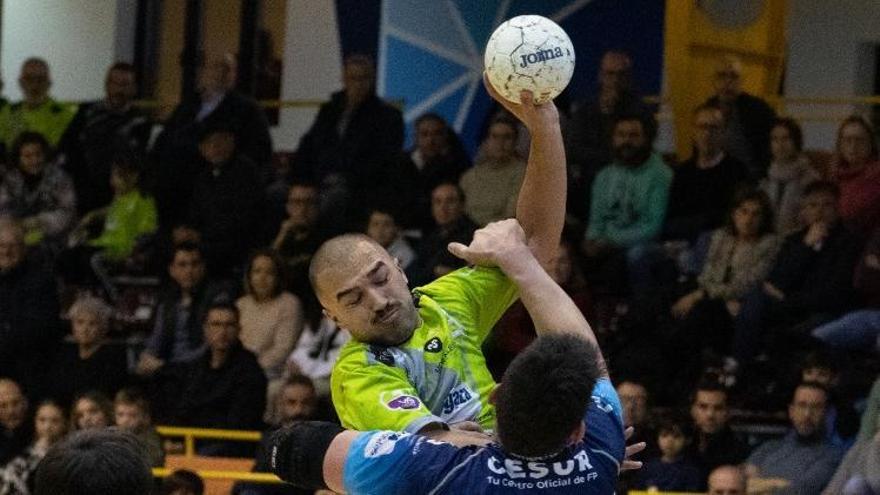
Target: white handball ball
[[529, 52]]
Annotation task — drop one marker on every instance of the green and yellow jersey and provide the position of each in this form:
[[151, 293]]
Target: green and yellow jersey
[[439, 375], [50, 119]]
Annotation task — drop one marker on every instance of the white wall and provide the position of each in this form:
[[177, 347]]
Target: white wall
[[76, 37], [312, 66], [829, 56]]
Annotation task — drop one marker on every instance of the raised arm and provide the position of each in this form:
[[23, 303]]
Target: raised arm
[[503, 244], [540, 208]]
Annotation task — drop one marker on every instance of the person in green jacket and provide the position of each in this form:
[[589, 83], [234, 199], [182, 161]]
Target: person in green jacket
[[130, 216], [628, 205]]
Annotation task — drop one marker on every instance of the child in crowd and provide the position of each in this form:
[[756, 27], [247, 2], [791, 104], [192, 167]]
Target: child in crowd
[[132, 413], [672, 471], [50, 427], [91, 410]]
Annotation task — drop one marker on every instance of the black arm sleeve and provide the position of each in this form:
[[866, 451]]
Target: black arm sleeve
[[297, 453]]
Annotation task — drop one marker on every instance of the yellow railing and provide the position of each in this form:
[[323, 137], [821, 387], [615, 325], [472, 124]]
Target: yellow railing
[[191, 434], [267, 478]]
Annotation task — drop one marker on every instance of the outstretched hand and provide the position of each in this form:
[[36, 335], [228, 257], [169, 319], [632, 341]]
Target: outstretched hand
[[535, 117], [493, 245], [631, 450]]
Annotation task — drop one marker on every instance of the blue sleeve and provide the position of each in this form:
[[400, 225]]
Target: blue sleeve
[[605, 396], [387, 462]]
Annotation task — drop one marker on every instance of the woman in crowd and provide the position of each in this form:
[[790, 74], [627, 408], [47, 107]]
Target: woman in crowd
[[856, 170], [271, 318], [92, 364], [50, 426], [740, 255], [37, 192], [91, 410], [788, 175]]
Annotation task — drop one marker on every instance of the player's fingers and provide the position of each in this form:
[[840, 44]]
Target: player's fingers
[[459, 250], [628, 432], [635, 448], [630, 465]]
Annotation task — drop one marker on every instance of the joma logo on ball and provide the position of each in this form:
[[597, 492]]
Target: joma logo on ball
[[540, 56]]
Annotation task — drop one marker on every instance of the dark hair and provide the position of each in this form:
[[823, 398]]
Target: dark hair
[[709, 383], [133, 397], [545, 393], [222, 303], [648, 122], [95, 462], [101, 400], [676, 423], [430, 116], [382, 210], [122, 67], [187, 247], [745, 195], [29, 137], [277, 263], [822, 359], [183, 479], [868, 128], [822, 187], [299, 379], [794, 131]]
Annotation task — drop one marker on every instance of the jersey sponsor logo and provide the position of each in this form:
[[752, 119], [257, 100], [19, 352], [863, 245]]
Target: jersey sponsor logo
[[382, 355], [606, 408], [405, 402], [458, 396], [434, 345], [382, 443], [514, 468]]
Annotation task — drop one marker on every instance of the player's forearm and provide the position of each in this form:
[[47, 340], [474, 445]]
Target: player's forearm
[[540, 208], [551, 309]]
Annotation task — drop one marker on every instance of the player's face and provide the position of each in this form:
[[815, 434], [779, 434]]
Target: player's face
[[747, 219], [50, 423], [807, 410], [709, 411], [87, 328], [819, 207], [431, 138], [781, 144], [854, 144], [370, 298], [297, 403]]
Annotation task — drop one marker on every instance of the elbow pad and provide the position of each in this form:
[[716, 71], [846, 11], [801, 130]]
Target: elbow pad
[[297, 453]]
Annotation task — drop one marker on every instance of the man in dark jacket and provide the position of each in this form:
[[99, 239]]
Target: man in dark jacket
[[353, 133], [227, 203], [177, 148], [28, 308], [749, 118], [101, 130], [223, 387], [811, 280], [714, 442]]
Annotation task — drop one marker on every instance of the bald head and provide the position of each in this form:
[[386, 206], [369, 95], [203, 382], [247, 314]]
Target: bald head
[[363, 289], [13, 405], [727, 480]]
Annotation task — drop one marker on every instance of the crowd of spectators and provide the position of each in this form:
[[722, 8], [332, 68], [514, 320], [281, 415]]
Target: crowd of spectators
[[709, 281]]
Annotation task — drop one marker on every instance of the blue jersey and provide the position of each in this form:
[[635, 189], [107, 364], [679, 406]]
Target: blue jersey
[[385, 462]]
